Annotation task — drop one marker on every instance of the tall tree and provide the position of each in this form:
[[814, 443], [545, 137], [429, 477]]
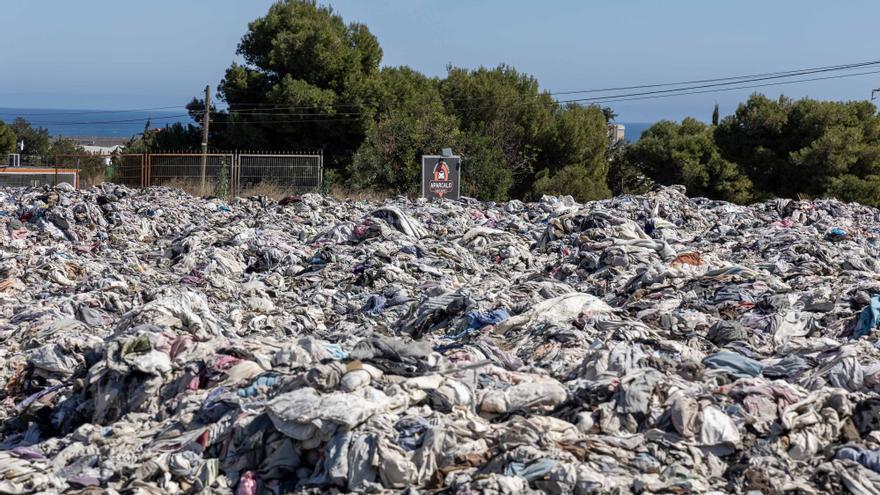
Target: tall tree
[[36, 139], [306, 82], [411, 122], [671, 153], [7, 139], [573, 154], [802, 148], [716, 116], [507, 110]]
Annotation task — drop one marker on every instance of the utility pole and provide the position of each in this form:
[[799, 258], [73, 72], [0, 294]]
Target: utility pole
[[206, 120]]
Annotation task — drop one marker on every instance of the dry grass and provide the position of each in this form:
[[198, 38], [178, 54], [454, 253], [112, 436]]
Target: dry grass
[[344, 193], [274, 191], [191, 186], [194, 188], [267, 189]]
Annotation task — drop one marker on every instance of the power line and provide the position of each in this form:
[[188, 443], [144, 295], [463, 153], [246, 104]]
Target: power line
[[662, 91], [720, 84], [796, 72], [729, 80], [89, 112], [723, 81], [841, 76], [601, 99], [126, 121]]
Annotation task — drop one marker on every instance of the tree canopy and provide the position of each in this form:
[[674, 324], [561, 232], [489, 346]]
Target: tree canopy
[[36, 139], [671, 153], [307, 82], [801, 148], [310, 80], [7, 138]]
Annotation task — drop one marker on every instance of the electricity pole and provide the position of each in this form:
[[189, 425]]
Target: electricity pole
[[206, 120]]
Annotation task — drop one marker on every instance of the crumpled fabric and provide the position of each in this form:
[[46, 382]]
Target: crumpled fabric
[[155, 342]]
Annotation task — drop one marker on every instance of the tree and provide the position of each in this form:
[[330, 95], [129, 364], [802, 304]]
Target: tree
[[484, 175], [623, 176], [865, 190], [173, 137], [508, 109], [671, 153], [36, 139], [574, 148], [411, 122], [573, 180], [802, 148], [715, 115], [609, 114], [306, 82], [7, 139]]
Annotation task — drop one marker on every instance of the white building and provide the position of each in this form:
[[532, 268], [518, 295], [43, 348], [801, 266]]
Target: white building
[[616, 132]]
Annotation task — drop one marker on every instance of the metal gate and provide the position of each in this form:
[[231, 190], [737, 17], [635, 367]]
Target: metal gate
[[184, 170], [127, 169], [224, 173], [94, 168], [285, 173]]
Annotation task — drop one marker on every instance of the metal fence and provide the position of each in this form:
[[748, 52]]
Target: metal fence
[[37, 176], [225, 173], [94, 168], [127, 169], [185, 169], [292, 173]]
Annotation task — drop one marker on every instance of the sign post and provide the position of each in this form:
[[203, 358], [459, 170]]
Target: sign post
[[441, 177]]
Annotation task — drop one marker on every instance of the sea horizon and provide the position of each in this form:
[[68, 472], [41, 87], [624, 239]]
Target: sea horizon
[[124, 124]]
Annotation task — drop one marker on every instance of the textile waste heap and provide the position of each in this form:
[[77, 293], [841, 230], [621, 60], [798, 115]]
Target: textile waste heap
[[158, 343]]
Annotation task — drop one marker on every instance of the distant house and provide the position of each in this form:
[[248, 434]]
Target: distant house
[[616, 132], [102, 150]]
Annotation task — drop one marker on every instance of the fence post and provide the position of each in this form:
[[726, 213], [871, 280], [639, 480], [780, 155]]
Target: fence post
[[237, 173]]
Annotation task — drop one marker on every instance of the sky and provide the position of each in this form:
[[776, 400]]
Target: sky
[[103, 54]]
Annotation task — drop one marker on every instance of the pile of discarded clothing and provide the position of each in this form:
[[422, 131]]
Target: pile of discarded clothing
[[155, 342]]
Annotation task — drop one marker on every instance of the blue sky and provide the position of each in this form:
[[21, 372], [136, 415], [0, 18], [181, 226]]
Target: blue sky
[[124, 54]]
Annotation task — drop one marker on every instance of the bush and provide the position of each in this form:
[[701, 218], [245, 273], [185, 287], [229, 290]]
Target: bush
[[574, 180]]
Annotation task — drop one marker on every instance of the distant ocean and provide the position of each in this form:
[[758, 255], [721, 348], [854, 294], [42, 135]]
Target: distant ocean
[[97, 123], [633, 130], [124, 124]]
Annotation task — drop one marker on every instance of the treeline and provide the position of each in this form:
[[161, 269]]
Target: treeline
[[39, 147], [309, 80], [768, 148]]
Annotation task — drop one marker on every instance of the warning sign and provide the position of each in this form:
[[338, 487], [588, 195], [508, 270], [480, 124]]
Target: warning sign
[[441, 177]]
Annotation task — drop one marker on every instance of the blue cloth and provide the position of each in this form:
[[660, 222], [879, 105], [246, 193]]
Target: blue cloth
[[531, 472], [411, 432], [869, 319], [868, 458], [336, 350], [836, 234], [735, 364], [375, 305], [477, 320], [262, 383]]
